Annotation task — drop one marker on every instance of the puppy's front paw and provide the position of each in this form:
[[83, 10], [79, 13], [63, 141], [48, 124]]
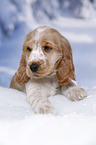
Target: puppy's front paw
[[76, 93], [44, 107]]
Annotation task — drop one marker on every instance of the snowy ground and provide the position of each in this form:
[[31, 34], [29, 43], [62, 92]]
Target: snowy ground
[[75, 122]]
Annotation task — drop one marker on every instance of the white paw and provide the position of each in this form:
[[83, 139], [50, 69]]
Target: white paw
[[46, 109], [76, 93], [43, 106]]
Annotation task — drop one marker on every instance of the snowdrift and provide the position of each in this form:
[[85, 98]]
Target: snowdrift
[[74, 124]]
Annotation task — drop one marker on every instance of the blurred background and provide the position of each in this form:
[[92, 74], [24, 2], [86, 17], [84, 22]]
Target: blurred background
[[75, 19]]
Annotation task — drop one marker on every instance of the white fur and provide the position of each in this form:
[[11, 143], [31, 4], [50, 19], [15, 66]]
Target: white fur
[[74, 82], [41, 29], [73, 92], [37, 55], [37, 92]]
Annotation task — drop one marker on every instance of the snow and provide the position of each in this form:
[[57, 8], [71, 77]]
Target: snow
[[10, 13], [88, 9], [74, 123]]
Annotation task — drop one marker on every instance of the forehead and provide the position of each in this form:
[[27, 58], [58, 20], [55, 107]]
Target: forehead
[[43, 33]]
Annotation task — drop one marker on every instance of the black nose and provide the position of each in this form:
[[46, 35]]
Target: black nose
[[34, 67]]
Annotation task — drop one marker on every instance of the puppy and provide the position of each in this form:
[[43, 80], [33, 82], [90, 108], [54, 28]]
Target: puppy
[[46, 68]]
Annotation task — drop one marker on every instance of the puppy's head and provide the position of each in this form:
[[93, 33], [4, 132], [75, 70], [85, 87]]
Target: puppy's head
[[45, 53]]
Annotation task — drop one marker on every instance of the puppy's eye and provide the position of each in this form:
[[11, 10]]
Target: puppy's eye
[[46, 48], [29, 49]]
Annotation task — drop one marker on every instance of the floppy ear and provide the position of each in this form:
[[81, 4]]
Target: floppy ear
[[65, 66], [21, 77]]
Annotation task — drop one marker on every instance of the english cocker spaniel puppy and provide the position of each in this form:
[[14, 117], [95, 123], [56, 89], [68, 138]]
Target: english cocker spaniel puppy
[[46, 68]]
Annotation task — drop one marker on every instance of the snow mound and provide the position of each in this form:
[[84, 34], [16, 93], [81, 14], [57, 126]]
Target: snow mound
[[75, 122]]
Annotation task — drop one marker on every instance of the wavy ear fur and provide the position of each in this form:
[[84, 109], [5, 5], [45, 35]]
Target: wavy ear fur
[[65, 66], [20, 75]]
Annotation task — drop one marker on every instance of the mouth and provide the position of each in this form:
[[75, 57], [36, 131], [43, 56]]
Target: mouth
[[46, 75], [36, 75]]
